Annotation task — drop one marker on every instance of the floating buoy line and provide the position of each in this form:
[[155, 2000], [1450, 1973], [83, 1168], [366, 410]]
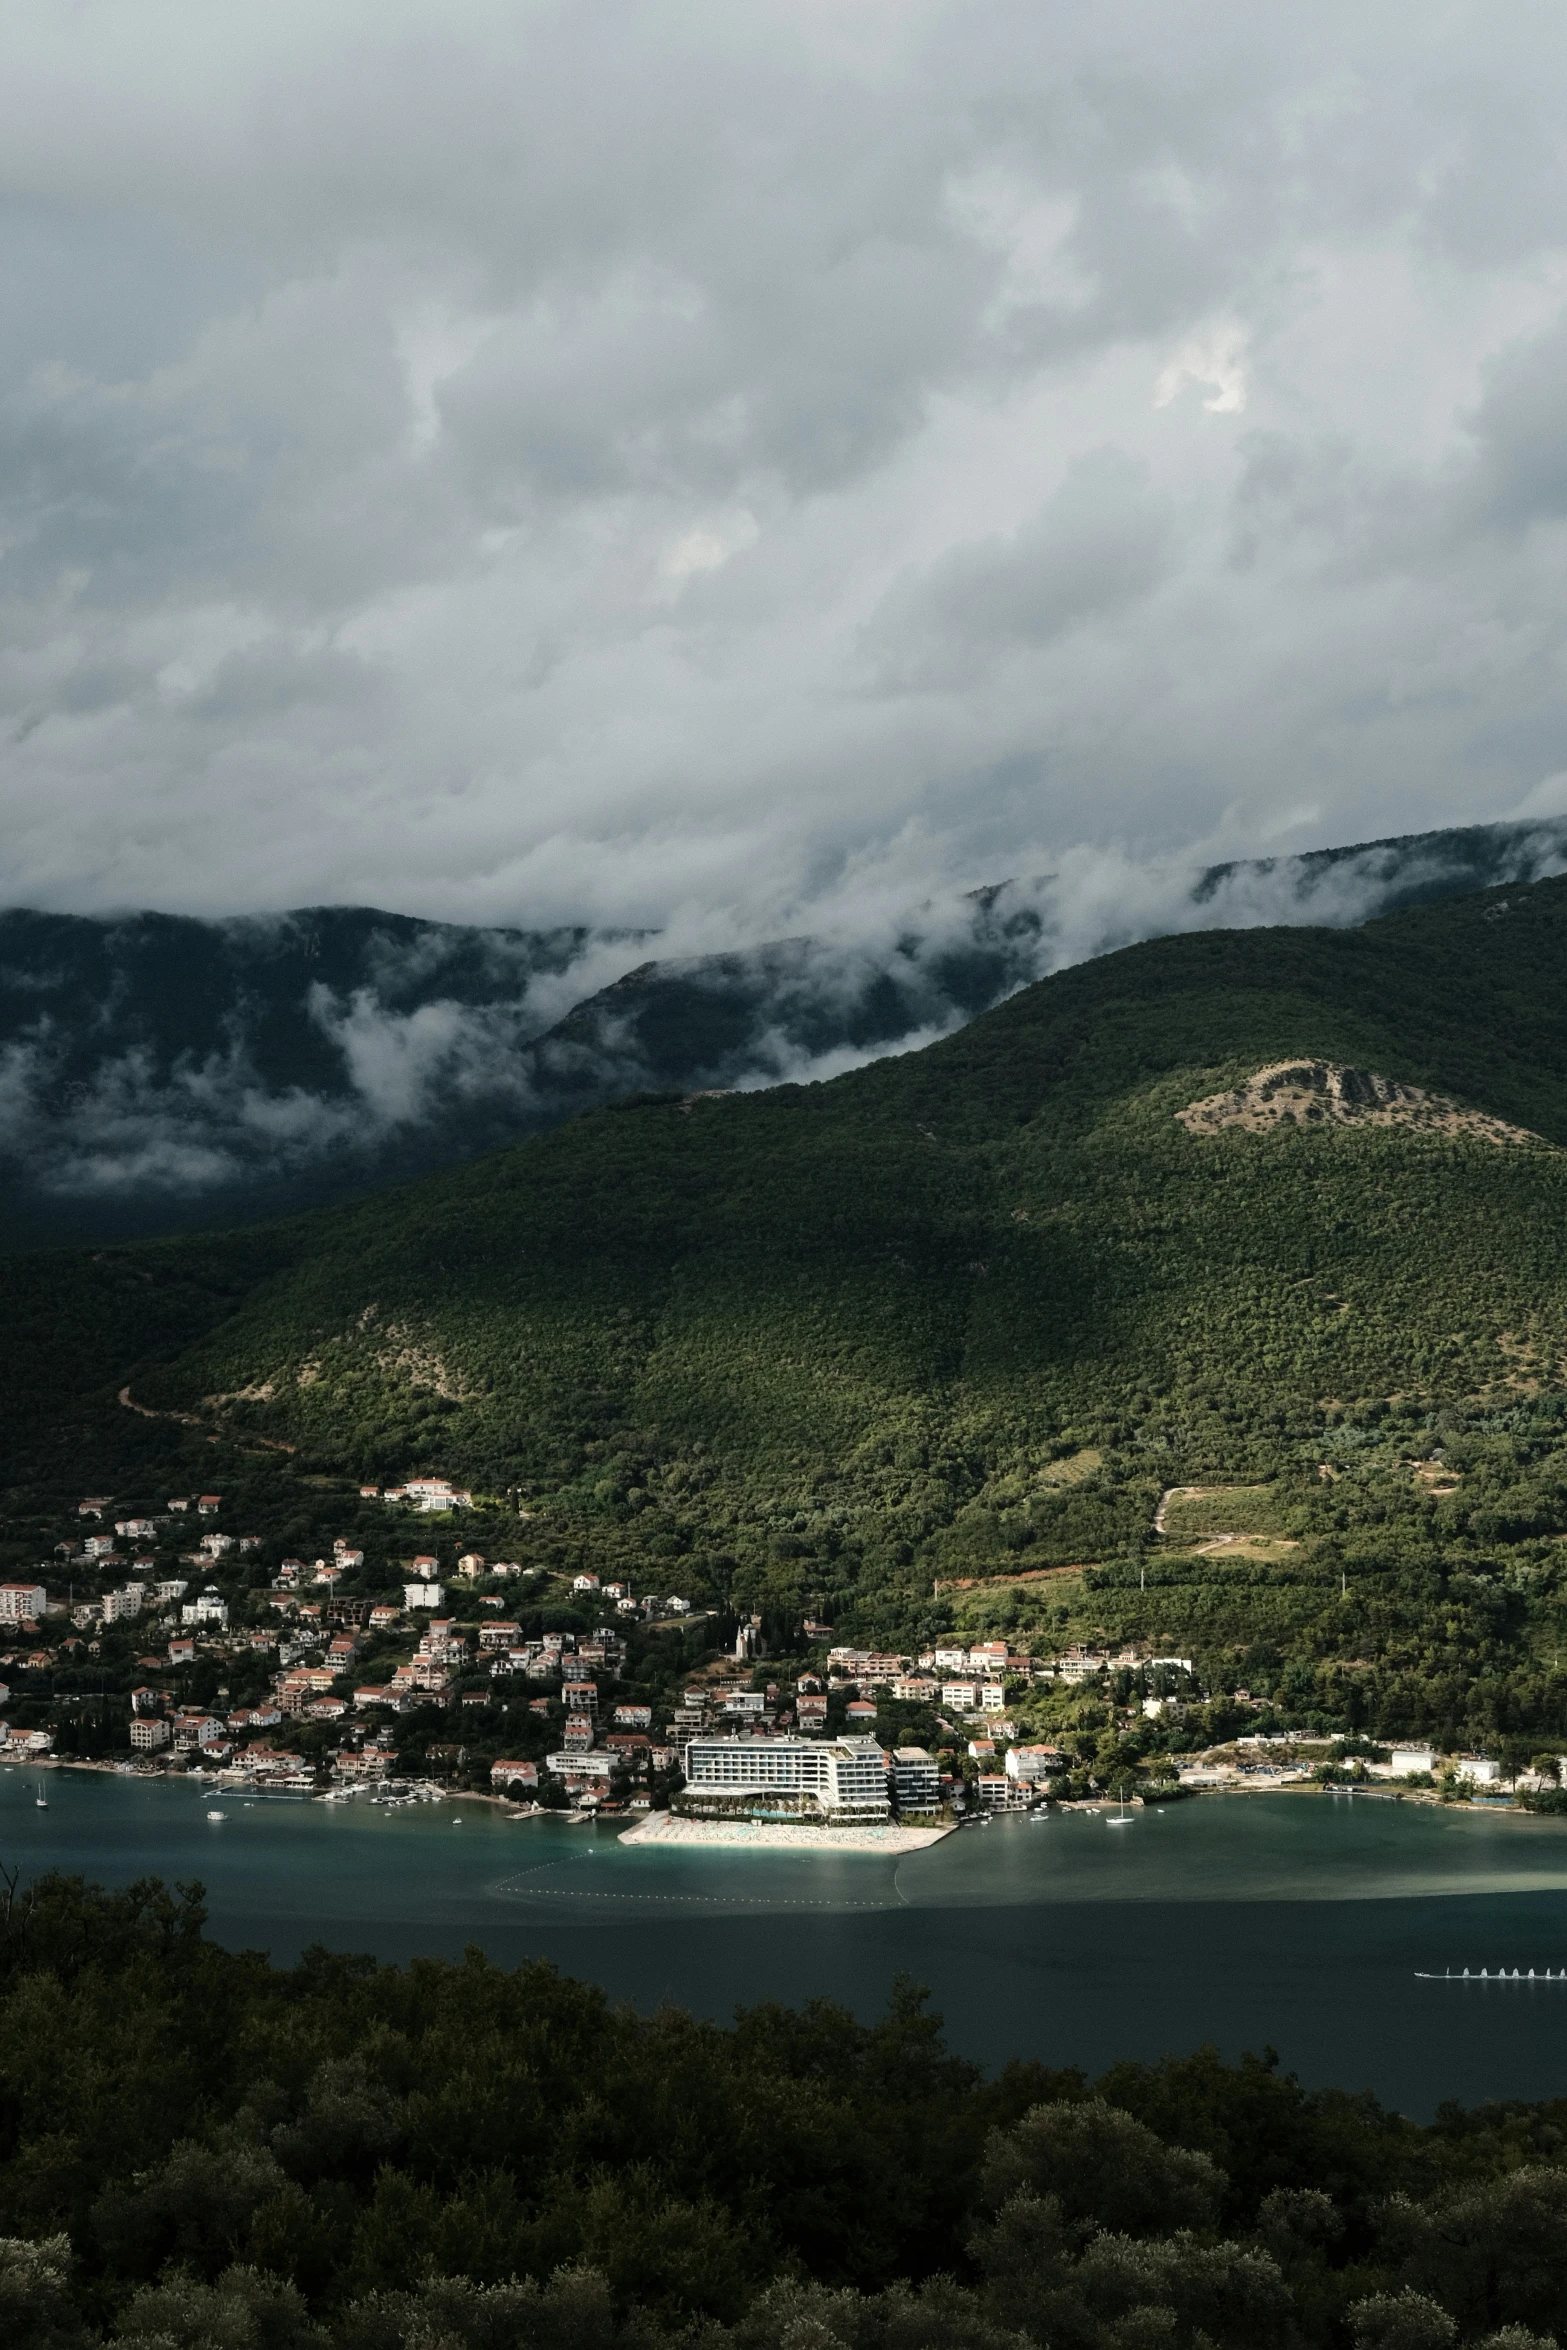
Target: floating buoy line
[[1481, 1974]]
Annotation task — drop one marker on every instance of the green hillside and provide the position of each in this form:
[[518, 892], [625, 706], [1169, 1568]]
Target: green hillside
[[823, 1348]]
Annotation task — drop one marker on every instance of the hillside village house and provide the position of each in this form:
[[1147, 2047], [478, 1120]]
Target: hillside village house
[[582, 1770], [505, 1776], [21, 1602], [194, 1729], [432, 1493]]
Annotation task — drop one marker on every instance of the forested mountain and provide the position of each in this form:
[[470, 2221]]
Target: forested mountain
[[162, 1074], [962, 1317]]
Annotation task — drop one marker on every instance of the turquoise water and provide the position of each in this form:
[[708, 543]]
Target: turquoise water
[[1295, 1921]]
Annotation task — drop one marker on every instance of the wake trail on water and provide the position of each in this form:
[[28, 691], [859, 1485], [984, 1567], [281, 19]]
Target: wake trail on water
[[517, 1888]]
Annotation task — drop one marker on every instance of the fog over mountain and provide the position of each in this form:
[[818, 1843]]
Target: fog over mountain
[[158, 1072]]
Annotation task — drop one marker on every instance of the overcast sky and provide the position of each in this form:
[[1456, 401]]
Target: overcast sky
[[715, 463]]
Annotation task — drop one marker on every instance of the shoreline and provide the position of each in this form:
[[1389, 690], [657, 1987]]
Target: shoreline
[[662, 1827]]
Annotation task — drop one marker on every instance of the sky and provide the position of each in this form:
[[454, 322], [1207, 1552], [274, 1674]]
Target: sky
[[728, 469]]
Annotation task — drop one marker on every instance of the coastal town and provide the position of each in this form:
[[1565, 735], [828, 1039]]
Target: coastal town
[[163, 1636]]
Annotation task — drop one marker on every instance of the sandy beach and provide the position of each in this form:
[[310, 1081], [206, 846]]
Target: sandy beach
[[661, 1827]]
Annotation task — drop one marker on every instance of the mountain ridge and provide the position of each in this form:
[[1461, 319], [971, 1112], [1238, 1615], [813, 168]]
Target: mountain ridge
[[158, 1073], [823, 1348]]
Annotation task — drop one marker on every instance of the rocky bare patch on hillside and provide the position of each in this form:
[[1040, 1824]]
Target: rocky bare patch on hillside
[[1325, 1093]]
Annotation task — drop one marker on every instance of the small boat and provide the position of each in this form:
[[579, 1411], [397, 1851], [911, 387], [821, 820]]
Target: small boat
[[456, 1823], [217, 1815], [42, 1800]]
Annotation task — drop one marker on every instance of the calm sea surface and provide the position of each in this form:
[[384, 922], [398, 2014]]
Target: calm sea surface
[[1299, 1921]]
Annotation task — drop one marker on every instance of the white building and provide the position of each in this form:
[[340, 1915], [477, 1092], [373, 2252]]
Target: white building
[[1030, 1764], [423, 1594], [118, 1605], [150, 1731], [21, 1599], [210, 1608], [570, 1764], [843, 1779], [436, 1493], [1478, 1770]]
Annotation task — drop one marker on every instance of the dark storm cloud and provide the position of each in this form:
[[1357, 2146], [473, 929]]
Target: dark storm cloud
[[738, 470]]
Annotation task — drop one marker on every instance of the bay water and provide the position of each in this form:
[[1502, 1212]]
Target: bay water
[[1304, 1923]]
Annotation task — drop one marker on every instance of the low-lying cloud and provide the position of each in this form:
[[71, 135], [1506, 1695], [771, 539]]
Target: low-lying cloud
[[424, 1044]]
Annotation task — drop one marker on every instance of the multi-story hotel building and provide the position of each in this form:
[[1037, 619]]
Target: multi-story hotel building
[[841, 1779]]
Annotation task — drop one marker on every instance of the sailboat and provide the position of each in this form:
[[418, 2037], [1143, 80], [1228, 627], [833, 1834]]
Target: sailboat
[[41, 1799], [1120, 1819]]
